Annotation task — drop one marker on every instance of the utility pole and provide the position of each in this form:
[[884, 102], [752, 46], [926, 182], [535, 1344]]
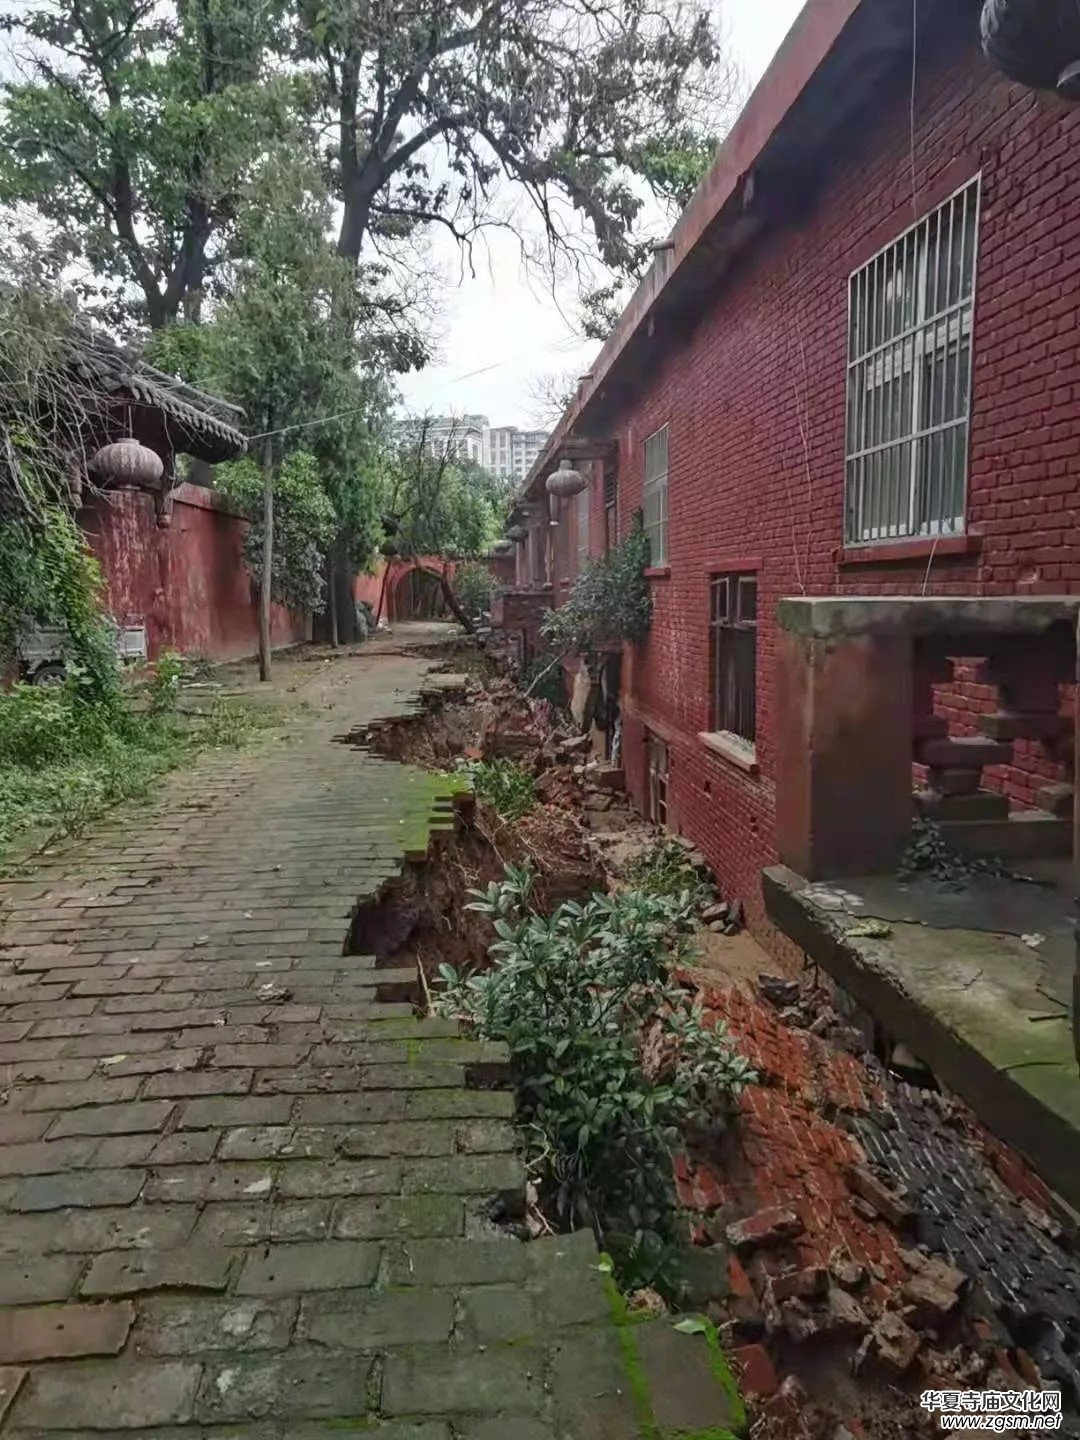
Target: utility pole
[[267, 558]]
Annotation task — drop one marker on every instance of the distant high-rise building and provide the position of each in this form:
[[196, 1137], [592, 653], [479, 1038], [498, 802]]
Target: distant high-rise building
[[510, 452], [502, 450]]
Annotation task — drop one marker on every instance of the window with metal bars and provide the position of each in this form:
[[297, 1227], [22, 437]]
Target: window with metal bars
[[733, 632], [658, 766], [611, 517], [656, 495], [909, 378]]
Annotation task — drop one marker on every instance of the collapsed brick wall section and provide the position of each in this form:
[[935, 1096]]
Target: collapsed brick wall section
[[754, 395]]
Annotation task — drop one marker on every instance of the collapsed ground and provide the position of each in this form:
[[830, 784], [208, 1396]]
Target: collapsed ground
[[857, 1238]]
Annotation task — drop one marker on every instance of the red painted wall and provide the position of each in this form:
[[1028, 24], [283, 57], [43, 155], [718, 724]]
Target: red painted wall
[[755, 400], [187, 583]]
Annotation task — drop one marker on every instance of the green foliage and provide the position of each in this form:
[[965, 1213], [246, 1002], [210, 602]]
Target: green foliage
[[63, 762], [304, 525], [134, 130], [448, 505], [928, 855], [544, 680], [164, 687], [612, 1058], [609, 603], [506, 786], [474, 586], [666, 868]]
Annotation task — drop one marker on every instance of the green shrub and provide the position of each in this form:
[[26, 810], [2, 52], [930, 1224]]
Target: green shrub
[[667, 869], [164, 687], [474, 586], [507, 786], [611, 1058], [609, 603]]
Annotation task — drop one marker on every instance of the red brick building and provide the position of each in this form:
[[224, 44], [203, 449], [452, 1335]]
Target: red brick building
[[853, 370]]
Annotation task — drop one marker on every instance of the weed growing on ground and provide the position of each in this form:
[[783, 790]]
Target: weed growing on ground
[[612, 1059], [64, 761], [929, 855], [506, 786], [666, 869]]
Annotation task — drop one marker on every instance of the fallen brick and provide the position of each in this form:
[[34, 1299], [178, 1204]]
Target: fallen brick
[[892, 1205], [771, 1226], [894, 1342], [934, 1293], [757, 1374], [806, 1283]]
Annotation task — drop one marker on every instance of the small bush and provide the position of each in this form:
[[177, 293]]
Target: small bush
[[612, 1059], [506, 786], [667, 869], [474, 587], [164, 688]]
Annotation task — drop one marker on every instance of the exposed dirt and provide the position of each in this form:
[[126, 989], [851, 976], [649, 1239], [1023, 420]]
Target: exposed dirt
[[806, 1311]]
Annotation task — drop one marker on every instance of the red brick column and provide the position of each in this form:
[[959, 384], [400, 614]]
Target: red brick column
[[843, 785]]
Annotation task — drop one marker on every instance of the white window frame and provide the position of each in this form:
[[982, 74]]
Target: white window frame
[[896, 485], [657, 463], [582, 526]]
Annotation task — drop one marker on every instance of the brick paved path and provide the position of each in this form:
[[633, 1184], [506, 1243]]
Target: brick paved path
[[242, 1185]]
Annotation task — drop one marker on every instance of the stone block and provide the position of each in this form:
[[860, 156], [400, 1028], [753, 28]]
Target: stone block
[[457, 1262], [60, 1332], [443, 1383], [185, 1326], [373, 1322], [39, 1280], [390, 1216], [295, 1269], [591, 1392], [343, 1177], [305, 1384], [498, 1315], [502, 1175], [680, 1372], [81, 1189], [127, 1272], [128, 1394]]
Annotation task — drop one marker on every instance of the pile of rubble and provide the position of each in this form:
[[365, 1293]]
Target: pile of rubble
[[867, 1238]]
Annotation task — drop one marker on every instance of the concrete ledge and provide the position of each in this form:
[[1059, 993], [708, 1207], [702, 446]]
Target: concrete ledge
[[963, 1001], [827, 618]]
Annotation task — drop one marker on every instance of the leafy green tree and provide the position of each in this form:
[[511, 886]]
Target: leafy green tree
[[133, 129], [304, 526]]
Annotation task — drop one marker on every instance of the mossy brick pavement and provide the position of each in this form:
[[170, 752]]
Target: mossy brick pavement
[[243, 1187]]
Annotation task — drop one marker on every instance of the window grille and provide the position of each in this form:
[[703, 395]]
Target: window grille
[[733, 630], [909, 378], [658, 763], [656, 495]]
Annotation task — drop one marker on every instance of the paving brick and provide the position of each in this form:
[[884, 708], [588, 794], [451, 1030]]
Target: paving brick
[[129, 1394], [371, 1322], [186, 1147], [349, 1109], [78, 1093], [177, 1183], [19, 1129], [239, 1224], [59, 1332], [11, 1378], [214, 1112], [457, 1262], [152, 1063], [342, 1177], [485, 1137], [464, 1175], [140, 1115], [459, 1105], [88, 1231], [480, 1382], [34, 1281], [268, 1142], [394, 1215], [135, 1272], [86, 1190], [498, 1315], [46, 1157], [201, 1082], [295, 1269], [301, 1384], [263, 1056], [418, 1138], [180, 1325]]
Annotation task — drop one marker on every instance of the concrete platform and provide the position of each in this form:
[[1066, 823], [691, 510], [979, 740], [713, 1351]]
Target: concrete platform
[[986, 1009]]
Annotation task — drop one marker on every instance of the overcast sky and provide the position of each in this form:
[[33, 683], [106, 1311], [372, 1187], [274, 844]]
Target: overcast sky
[[501, 330]]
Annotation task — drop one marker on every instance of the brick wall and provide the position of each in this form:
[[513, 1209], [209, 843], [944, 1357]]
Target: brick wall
[[187, 583], [755, 400]]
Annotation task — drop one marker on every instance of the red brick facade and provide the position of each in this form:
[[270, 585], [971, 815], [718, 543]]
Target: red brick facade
[[754, 395]]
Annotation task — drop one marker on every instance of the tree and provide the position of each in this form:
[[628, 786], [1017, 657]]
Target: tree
[[289, 344], [134, 130], [434, 101]]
